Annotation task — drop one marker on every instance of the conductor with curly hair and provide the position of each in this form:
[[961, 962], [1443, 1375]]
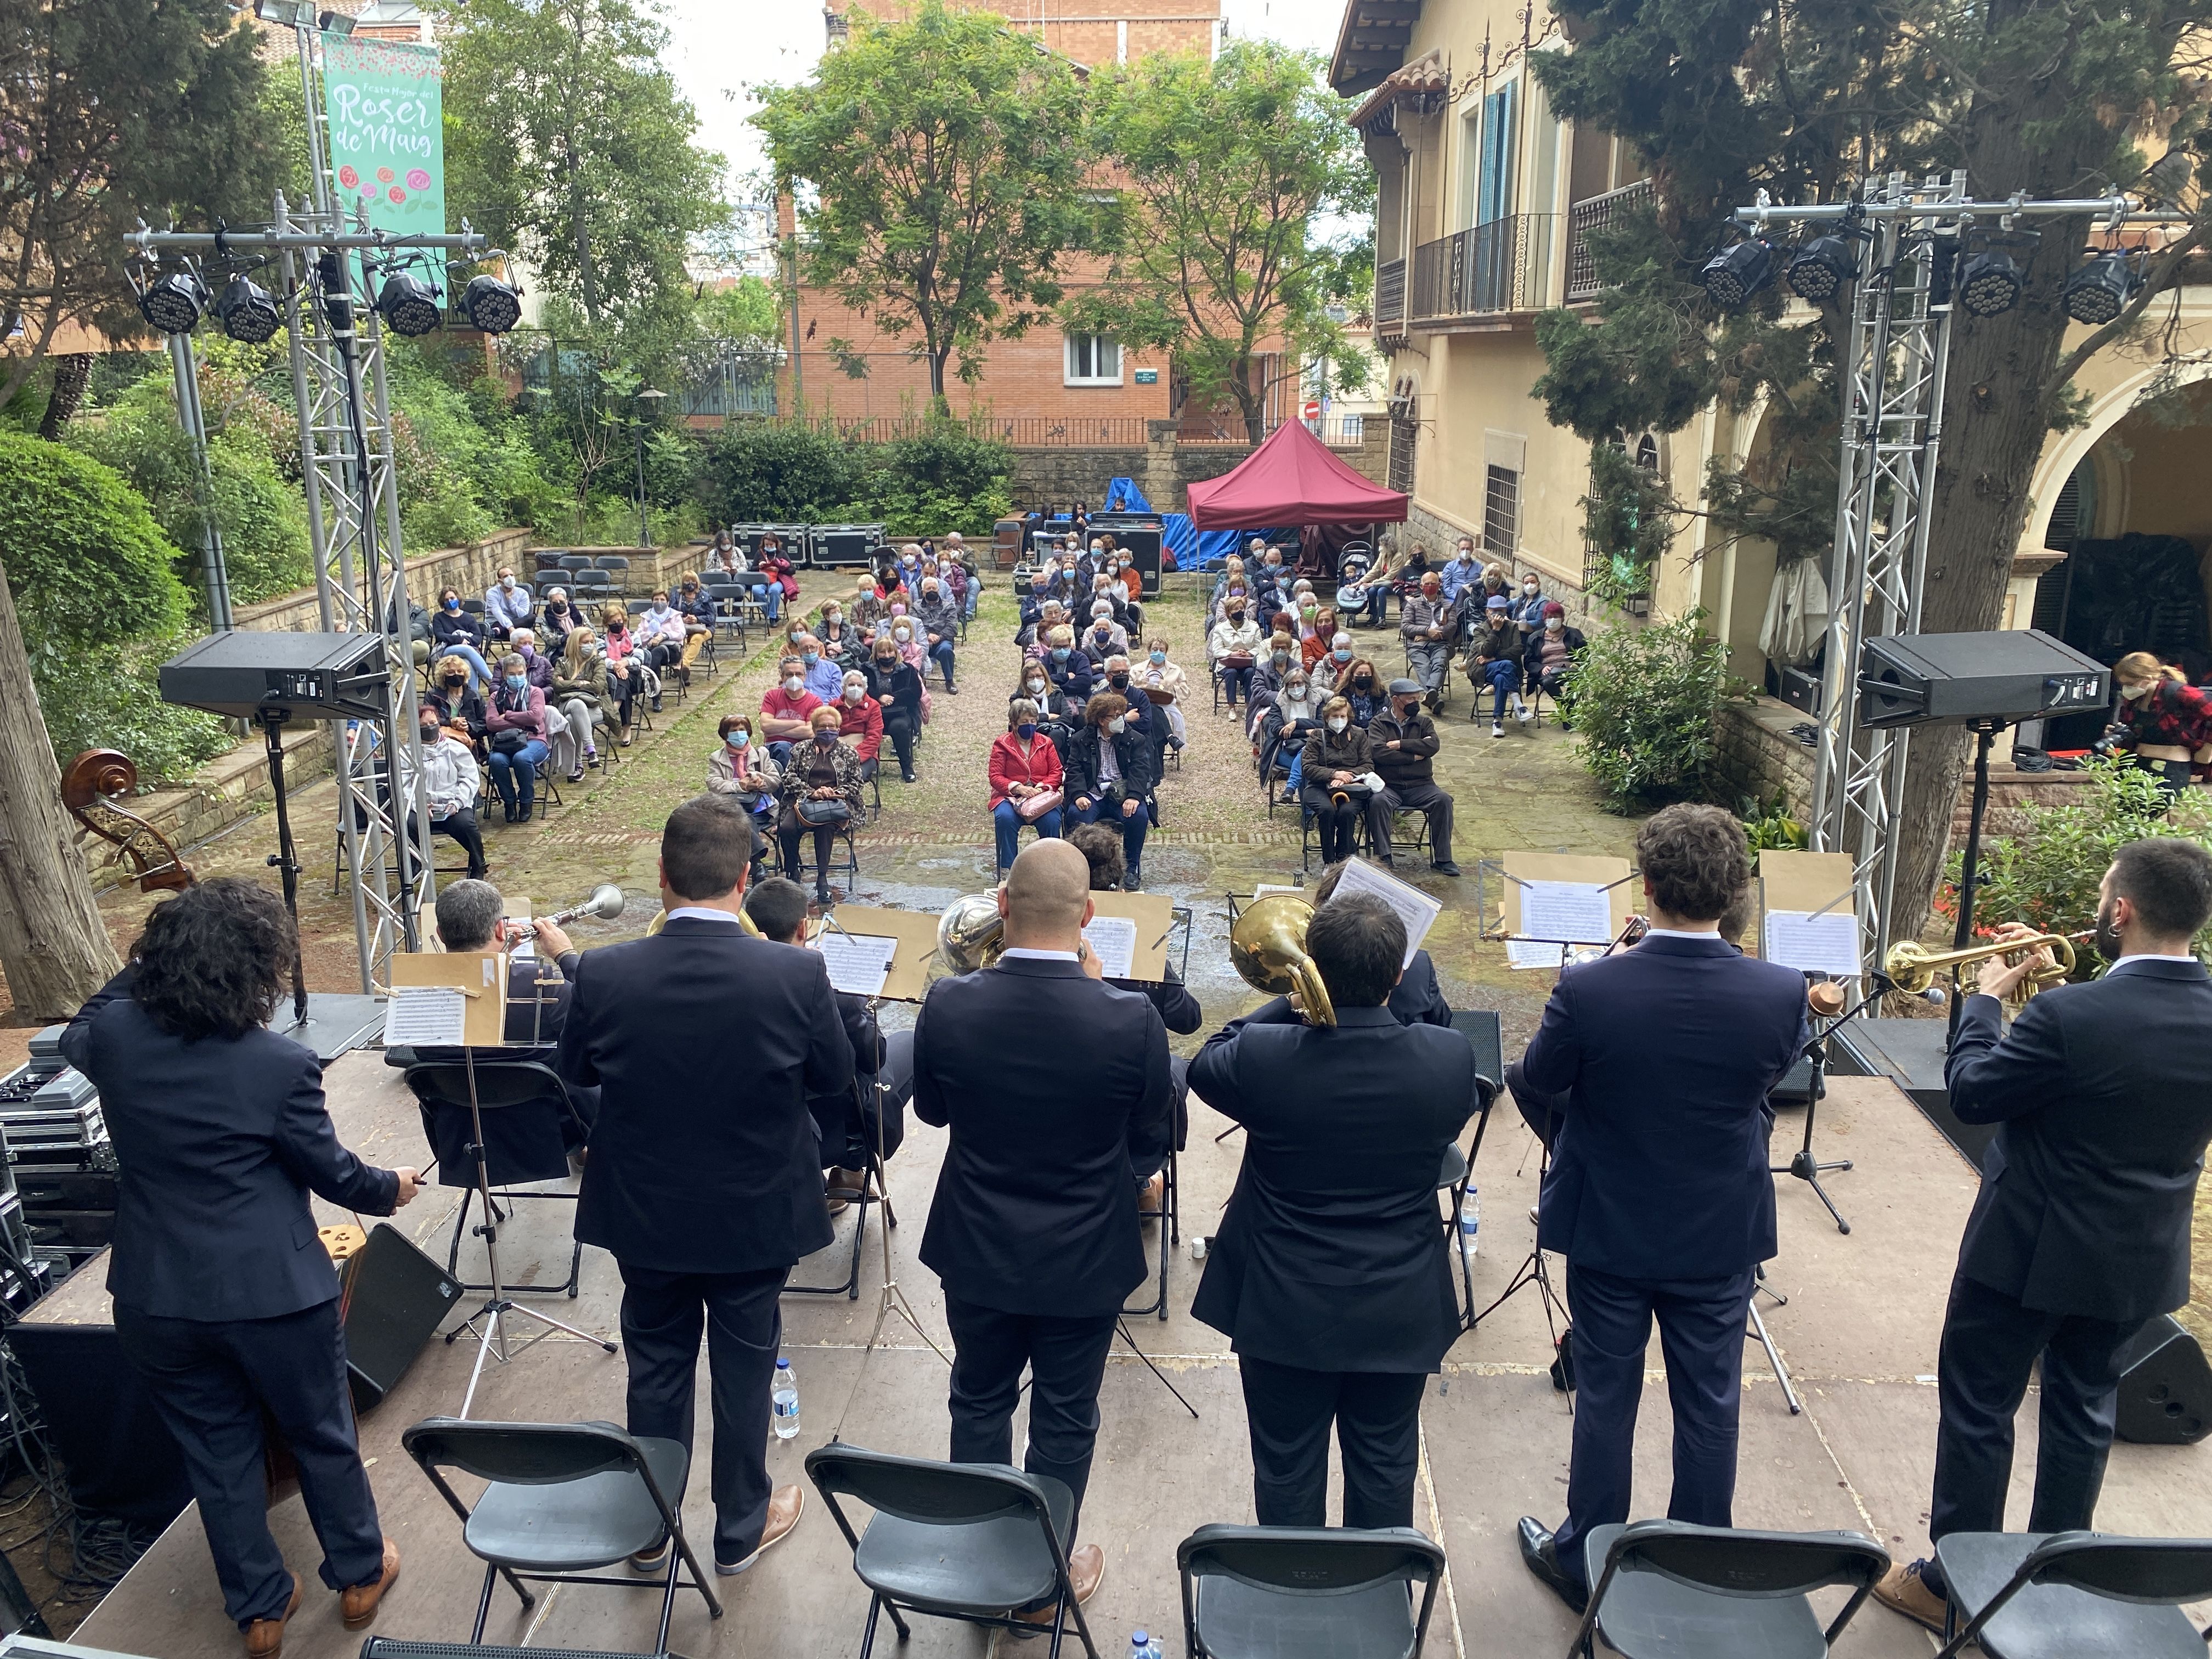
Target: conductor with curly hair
[[226, 1304]]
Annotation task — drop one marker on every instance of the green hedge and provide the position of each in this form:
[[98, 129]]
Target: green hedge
[[944, 477]]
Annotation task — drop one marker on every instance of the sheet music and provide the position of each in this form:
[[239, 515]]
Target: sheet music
[[858, 962], [420, 1016], [1827, 943], [1416, 908], [1566, 910], [1262, 889], [1528, 953], [1114, 940]]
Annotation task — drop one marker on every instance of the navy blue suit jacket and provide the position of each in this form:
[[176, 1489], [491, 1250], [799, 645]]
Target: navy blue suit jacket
[[1664, 1055], [704, 1158], [1417, 999], [1055, 1087], [217, 1143], [2102, 1094]]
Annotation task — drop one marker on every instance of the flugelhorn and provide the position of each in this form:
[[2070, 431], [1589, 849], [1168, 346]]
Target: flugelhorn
[[605, 902], [971, 934], [1267, 947], [1913, 967]]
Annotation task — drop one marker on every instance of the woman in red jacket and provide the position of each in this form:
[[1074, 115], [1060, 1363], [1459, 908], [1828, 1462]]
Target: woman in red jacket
[[1024, 766], [861, 721], [2163, 721]]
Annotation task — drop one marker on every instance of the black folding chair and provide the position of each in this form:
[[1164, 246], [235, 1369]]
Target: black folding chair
[[2075, 1594], [530, 1124], [1170, 1232], [1668, 1587], [614, 570], [1480, 1027], [1307, 1593], [969, 1541], [874, 1189], [564, 1498]]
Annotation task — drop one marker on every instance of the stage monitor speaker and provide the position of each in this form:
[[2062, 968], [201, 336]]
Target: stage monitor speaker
[[305, 677], [830, 545], [396, 1299], [2166, 1387], [1140, 544], [2010, 674], [119, 1457]]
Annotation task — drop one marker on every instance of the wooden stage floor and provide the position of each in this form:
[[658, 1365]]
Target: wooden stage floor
[[1859, 1332]]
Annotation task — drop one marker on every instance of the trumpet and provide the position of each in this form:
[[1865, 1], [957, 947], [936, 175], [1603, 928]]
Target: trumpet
[[1267, 947], [1913, 967]]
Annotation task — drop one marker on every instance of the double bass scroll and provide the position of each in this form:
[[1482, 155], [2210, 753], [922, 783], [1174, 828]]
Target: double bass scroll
[[93, 787]]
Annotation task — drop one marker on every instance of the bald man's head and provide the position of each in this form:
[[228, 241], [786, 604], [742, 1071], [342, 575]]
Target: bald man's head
[[1047, 897]]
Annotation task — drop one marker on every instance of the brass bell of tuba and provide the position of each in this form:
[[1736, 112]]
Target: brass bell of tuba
[[971, 934], [1267, 947]]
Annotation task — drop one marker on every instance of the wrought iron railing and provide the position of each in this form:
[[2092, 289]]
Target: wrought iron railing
[[1595, 213], [1505, 266]]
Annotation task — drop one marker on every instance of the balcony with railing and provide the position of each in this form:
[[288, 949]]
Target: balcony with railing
[[1500, 267], [1595, 213], [1391, 299]]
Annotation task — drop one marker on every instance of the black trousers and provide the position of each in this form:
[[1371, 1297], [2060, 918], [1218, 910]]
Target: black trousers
[[662, 1314], [1990, 1343], [1422, 795], [1065, 1358], [1377, 1416], [462, 827], [898, 726], [1340, 824], [790, 832], [210, 1380]]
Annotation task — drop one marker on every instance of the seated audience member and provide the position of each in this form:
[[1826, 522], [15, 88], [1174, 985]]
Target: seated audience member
[[1417, 999], [472, 921], [567, 719], [824, 678], [450, 784], [1278, 655], [1428, 627], [1122, 567], [514, 726], [1147, 722], [1496, 661], [1033, 605], [1332, 665], [726, 559], [1069, 670], [1295, 717], [788, 708], [583, 672], [841, 642], [660, 635], [697, 606], [1165, 684], [1109, 777], [1231, 571], [1528, 607], [1403, 743], [907, 638], [1024, 771], [821, 775], [868, 609], [896, 686], [507, 605], [1232, 648], [561, 619], [1335, 760], [939, 619], [773, 563], [861, 721], [845, 1125], [1462, 571], [454, 697], [630, 677], [1105, 637], [454, 633], [1552, 651], [1361, 686], [740, 768]]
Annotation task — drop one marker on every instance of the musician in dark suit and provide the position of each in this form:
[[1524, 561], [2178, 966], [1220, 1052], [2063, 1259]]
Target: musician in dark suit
[[1659, 1194], [1329, 1272], [2102, 1097], [226, 1304], [1056, 1089], [472, 917], [1417, 999], [707, 1187]]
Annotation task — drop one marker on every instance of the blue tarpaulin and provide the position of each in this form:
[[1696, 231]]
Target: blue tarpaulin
[[1206, 550], [1122, 496]]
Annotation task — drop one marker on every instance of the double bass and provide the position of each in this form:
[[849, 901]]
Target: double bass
[[93, 786]]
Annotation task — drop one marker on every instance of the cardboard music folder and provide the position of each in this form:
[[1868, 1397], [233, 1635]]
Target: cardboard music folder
[[1154, 914], [1805, 884], [1610, 872], [480, 977], [916, 932]]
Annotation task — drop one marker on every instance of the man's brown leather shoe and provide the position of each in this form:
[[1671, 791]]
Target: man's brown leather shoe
[[1152, 1197], [1086, 1570], [784, 1505], [358, 1605], [1903, 1589], [265, 1637]]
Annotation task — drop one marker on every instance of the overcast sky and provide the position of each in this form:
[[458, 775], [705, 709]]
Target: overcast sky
[[719, 48]]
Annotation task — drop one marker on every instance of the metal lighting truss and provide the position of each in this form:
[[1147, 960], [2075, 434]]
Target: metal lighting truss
[[1894, 363]]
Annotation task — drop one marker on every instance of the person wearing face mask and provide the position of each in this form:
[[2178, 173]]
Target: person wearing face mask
[[1528, 607], [1336, 761], [1427, 626], [1233, 646], [1295, 717], [1109, 592], [741, 768], [455, 696], [1069, 670], [775, 564], [1165, 683], [697, 606], [940, 627], [1496, 660], [2162, 720], [1361, 687], [841, 643], [568, 719], [1105, 637], [896, 687], [507, 605], [861, 721], [823, 775], [2101, 1093], [1279, 654], [450, 783], [660, 631], [1315, 642], [1122, 567], [1033, 604], [1109, 777], [561, 619], [1462, 571], [786, 709], [582, 673], [867, 609], [1552, 651], [1334, 670], [629, 675], [824, 678], [1146, 721], [726, 559], [1026, 782], [1403, 743], [454, 633], [1232, 573], [515, 723]]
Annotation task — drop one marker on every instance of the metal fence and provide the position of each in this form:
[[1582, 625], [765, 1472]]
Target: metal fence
[[1505, 266], [1595, 213]]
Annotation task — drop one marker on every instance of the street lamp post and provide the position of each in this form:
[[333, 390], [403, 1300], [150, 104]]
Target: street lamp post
[[650, 397]]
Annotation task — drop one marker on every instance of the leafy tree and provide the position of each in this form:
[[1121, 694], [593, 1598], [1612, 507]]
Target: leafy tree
[[1726, 97], [567, 139], [1644, 701], [1228, 162], [115, 109], [938, 165]]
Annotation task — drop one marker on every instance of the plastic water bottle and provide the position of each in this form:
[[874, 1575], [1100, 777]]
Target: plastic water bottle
[[784, 1400], [1142, 1646], [1470, 1221]]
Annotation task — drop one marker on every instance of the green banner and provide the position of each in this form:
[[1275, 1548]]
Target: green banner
[[387, 142]]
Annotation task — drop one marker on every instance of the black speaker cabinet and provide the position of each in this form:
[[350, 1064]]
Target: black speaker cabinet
[[2166, 1387], [313, 677], [395, 1299], [2006, 675], [830, 545]]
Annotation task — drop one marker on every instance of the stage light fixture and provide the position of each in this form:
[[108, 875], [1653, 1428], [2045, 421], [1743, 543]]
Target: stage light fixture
[[491, 305], [1990, 284], [1822, 267], [1734, 274], [247, 313], [173, 304], [286, 13], [2099, 291], [408, 305]]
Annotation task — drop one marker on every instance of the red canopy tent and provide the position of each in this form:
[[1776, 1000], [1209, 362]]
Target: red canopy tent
[[1293, 478]]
